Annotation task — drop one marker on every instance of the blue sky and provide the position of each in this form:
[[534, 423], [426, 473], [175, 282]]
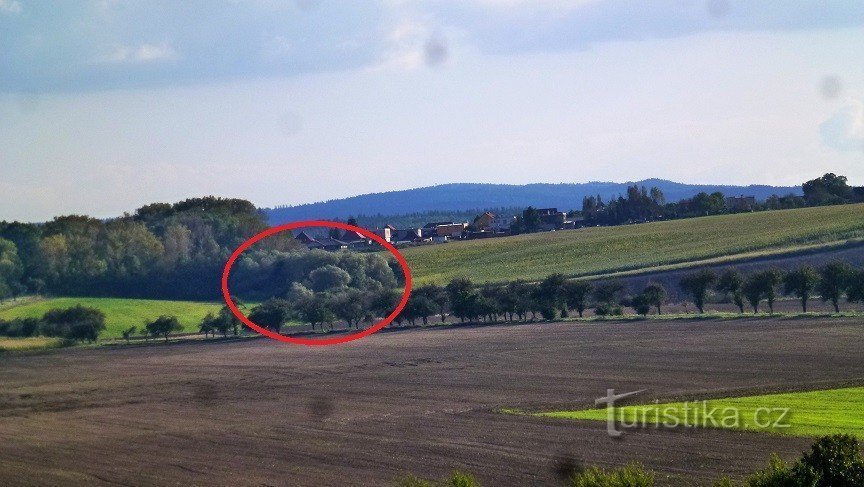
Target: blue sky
[[107, 105]]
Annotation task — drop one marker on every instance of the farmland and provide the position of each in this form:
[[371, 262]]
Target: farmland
[[422, 401], [601, 250], [120, 314], [815, 413]]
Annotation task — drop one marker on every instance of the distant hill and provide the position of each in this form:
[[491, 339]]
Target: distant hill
[[461, 197]]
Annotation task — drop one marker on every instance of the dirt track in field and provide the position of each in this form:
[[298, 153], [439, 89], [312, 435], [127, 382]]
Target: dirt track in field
[[421, 401]]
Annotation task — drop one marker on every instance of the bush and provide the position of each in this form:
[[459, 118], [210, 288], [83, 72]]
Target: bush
[[606, 309], [20, 327], [632, 475], [163, 326], [837, 460], [458, 479], [76, 323]]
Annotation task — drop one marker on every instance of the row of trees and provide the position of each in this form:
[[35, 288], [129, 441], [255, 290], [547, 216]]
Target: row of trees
[[831, 282]]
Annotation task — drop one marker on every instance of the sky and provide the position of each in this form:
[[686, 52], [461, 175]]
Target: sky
[[107, 105]]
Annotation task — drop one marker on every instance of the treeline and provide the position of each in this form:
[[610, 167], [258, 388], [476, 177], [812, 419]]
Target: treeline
[[164, 251], [641, 204], [559, 297]]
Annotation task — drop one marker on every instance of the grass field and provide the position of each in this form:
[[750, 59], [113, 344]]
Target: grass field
[[602, 250], [810, 414], [120, 314], [28, 344]]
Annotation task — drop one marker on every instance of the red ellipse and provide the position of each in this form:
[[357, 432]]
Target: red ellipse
[[226, 294]]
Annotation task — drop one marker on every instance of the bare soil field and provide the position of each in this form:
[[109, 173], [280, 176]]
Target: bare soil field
[[419, 401]]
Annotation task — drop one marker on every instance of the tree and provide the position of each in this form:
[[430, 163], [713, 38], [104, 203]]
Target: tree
[[128, 332], [350, 305], [463, 298], [606, 295], [76, 323], [855, 286], [697, 285], [655, 294], [271, 314], [729, 284], [550, 295], [642, 304], [770, 279], [801, 282], [435, 294], [575, 294], [753, 290], [830, 189], [530, 220], [833, 280], [328, 277], [163, 326]]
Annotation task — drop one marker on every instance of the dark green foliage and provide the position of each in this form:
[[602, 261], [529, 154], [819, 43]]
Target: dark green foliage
[[163, 326], [836, 460], [801, 282], [641, 304], [829, 189], [730, 283], [78, 323], [127, 333], [631, 475], [457, 479], [833, 280], [271, 314], [575, 294], [21, 327], [655, 295], [697, 285]]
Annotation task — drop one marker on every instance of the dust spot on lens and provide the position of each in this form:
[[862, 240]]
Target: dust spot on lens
[[436, 52], [831, 87], [320, 408], [718, 8], [567, 466]]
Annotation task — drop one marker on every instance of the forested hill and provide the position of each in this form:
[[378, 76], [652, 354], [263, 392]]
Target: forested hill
[[459, 197]]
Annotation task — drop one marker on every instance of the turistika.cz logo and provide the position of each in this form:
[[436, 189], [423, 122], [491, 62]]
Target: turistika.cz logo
[[688, 414]]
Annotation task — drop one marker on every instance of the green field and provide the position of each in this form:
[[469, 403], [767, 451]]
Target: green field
[[602, 250], [120, 314], [810, 414]]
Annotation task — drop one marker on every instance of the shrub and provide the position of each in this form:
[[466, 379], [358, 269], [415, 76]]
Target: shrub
[[779, 474], [20, 327], [837, 460], [631, 475], [164, 326], [607, 309], [76, 323], [458, 479]]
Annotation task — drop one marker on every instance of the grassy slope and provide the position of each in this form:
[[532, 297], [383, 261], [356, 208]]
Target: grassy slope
[[604, 250], [813, 413], [120, 314]]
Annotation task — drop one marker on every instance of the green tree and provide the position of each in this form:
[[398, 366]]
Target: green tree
[[697, 285], [163, 326], [606, 296], [801, 283], [328, 277], [128, 332], [655, 294], [641, 303], [770, 278], [754, 290], [833, 280], [575, 294], [729, 284], [271, 314], [76, 323], [350, 305]]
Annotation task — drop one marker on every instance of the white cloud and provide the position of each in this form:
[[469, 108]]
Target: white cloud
[[142, 54], [10, 7], [844, 131]]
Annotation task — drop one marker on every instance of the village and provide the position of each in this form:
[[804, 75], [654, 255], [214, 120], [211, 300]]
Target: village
[[485, 225]]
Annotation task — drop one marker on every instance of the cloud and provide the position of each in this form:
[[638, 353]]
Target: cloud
[[109, 44], [10, 7], [844, 131], [142, 54]]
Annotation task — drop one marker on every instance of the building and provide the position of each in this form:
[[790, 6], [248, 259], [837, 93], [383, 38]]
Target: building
[[324, 243], [451, 230], [741, 203], [484, 220], [388, 233], [502, 223], [551, 218]]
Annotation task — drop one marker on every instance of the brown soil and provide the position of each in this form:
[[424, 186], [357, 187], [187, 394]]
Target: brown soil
[[418, 401]]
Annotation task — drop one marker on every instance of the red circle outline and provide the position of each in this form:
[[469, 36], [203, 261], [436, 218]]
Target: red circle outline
[[226, 294]]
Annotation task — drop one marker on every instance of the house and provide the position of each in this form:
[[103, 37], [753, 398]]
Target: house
[[304, 238], [502, 223], [451, 231], [741, 203], [551, 218], [388, 233], [484, 220], [407, 235], [331, 244]]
